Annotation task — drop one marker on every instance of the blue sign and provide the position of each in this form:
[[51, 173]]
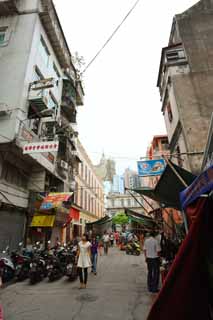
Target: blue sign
[[151, 167], [47, 206], [202, 185]]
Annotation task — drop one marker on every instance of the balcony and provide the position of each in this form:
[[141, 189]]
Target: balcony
[[8, 7], [68, 103], [80, 94]]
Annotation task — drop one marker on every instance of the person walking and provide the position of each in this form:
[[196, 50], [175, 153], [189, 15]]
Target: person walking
[[84, 260], [152, 255], [112, 239], [94, 255], [106, 240]]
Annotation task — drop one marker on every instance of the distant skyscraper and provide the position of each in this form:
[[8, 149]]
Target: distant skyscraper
[[118, 184], [131, 179]]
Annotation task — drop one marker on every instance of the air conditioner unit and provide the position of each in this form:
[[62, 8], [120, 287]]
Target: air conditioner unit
[[64, 165]]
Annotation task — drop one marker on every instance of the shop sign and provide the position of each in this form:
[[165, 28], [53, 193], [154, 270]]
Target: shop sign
[[39, 147], [43, 221], [151, 167], [55, 200]]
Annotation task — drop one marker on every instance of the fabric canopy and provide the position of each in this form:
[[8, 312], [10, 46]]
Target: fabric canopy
[[145, 221], [169, 187], [101, 221]]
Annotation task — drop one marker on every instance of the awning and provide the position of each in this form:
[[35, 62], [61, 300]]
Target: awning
[[168, 189], [201, 185], [43, 221], [55, 200], [145, 221], [101, 221]]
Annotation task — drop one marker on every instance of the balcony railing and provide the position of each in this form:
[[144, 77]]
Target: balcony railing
[[8, 7]]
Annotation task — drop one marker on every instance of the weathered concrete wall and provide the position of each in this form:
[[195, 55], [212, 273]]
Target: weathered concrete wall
[[194, 99]]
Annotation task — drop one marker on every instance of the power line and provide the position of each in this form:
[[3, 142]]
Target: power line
[[111, 36]]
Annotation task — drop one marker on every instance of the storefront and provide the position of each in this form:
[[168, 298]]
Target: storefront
[[50, 218]]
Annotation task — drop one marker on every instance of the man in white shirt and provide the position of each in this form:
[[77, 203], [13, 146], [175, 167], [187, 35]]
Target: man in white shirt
[[106, 240], [152, 252]]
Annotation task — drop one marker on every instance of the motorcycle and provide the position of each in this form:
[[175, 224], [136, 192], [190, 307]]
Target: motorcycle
[[71, 268], [133, 248], [38, 269], [22, 264], [7, 268], [54, 268]]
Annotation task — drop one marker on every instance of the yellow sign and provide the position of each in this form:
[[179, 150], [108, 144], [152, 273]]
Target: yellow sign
[[43, 221]]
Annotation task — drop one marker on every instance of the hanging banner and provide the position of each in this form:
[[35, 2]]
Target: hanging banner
[[202, 185], [151, 167], [55, 200], [39, 147]]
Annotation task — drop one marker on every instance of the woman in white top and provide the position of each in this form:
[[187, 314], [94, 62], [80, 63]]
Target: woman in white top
[[84, 260]]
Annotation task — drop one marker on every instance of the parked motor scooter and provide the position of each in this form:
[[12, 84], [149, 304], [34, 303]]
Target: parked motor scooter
[[7, 268], [71, 268], [22, 264], [37, 266], [54, 270], [133, 248]]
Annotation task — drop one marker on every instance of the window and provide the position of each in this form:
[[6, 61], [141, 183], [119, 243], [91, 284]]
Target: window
[[82, 170], [86, 173], [44, 52], [85, 200], [81, 197], [14, 176], [129, 203], [174, 55], [169, 111], [3, 31]]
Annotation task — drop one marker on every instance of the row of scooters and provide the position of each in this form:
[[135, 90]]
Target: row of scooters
[[36, 264]]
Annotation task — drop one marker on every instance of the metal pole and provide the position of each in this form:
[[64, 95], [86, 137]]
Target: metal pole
[[175, 171]]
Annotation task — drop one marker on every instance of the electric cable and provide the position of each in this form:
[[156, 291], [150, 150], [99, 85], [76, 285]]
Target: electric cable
[[110, 38]]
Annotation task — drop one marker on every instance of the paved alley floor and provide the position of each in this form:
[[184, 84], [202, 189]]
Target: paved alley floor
[[118, 292]]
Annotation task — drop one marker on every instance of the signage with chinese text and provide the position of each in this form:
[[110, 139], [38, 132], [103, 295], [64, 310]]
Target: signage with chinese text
[[39, 147]]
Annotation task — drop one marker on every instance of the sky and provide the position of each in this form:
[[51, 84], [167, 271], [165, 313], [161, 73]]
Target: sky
[[122, 109]]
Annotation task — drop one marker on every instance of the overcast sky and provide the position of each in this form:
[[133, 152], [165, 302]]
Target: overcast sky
[[122, 108]]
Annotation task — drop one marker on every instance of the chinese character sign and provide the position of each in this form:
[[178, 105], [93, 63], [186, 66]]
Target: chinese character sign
[[151, 167]]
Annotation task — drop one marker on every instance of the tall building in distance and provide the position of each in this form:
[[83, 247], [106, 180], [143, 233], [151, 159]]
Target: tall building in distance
[[185, 82], [118, 184], [131, 179], [106, 169]]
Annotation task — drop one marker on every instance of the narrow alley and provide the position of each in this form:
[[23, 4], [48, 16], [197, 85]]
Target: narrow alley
[[118, 292]]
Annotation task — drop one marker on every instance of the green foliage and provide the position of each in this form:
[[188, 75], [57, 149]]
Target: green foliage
[[120, 218]]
